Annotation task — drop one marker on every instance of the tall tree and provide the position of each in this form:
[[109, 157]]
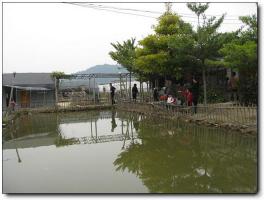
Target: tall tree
[[205, 35], [157, 52], [125, 55]]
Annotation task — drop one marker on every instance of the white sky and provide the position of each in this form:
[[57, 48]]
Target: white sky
[[44, 37]]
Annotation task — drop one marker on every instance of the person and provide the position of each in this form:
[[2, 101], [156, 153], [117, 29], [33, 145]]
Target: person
[[135, 122], [156, 94], [12, 104], [171, 100], [189, 98], [112, 93], [195, 92], [134, 92], [178, 101], [184, 93], [233, 86], [113, 122], [163, 97]]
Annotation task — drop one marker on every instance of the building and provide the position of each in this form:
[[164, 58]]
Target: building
[[29, 90]]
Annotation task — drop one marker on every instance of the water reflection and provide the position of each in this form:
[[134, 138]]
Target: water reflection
[[12, 130], [68, 129], [167, 156], [182, 158]]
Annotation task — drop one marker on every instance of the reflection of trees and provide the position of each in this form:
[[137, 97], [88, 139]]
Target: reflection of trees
[[183, 158]]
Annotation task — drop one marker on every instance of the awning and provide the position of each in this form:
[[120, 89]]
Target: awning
[[28, 88]]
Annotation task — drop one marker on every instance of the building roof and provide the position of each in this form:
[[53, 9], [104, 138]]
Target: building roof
[[29, 80], [76, 83]]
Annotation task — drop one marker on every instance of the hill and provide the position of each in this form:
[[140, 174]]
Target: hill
[[106, 68]]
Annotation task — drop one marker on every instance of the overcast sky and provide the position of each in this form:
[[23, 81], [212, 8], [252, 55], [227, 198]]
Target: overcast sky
[[46, 37]]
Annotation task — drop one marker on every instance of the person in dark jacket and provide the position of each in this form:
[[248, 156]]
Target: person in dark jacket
[[134, 92], [156, 94], [195, 92], [112, 93]]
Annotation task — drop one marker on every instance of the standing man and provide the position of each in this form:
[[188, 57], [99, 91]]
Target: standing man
[[112, 93], [233, 85], [134, 92], [156, 94], [195, 92]]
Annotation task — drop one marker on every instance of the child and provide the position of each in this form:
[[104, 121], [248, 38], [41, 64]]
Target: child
[[171, 99], [12, 104]]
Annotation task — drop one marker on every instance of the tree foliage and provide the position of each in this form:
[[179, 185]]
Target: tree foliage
[[175, 48], [124, 53], [205, 37], [159, 53], [241, 54], [198, 8], [57, 74]]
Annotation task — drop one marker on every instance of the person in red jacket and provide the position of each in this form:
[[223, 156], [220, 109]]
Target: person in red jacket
[[189, 97]]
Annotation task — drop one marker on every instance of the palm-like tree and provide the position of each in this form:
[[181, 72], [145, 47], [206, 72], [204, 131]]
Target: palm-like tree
[[125, 55]]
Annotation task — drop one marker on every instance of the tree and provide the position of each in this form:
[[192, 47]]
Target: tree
[[206, 34], [125, 55], [56, 75], [241, 54], [159, 53]]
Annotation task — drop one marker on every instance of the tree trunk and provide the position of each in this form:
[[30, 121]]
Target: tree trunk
[[204, 86]]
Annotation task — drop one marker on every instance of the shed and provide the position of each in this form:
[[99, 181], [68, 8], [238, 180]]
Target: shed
[[29, 89]]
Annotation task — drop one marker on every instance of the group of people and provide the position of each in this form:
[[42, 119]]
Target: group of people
[[186, 95], [112, 93], [189, 94]]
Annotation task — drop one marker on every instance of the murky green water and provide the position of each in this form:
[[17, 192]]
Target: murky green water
[[116, 152]]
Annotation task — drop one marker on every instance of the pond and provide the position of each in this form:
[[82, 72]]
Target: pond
[[119, 152]]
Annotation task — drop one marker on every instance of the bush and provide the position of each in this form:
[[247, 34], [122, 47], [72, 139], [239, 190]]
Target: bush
[[214, 95]]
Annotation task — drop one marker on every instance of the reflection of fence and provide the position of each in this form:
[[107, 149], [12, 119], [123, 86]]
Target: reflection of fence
[[37, 104], [99, 139], [211, 136], [216, 112]]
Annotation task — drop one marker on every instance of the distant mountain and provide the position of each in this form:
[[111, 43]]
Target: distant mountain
[[106, 68]]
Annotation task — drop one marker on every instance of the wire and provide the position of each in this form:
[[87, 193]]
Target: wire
[[155, 12], [114, 11], [129, 13]]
